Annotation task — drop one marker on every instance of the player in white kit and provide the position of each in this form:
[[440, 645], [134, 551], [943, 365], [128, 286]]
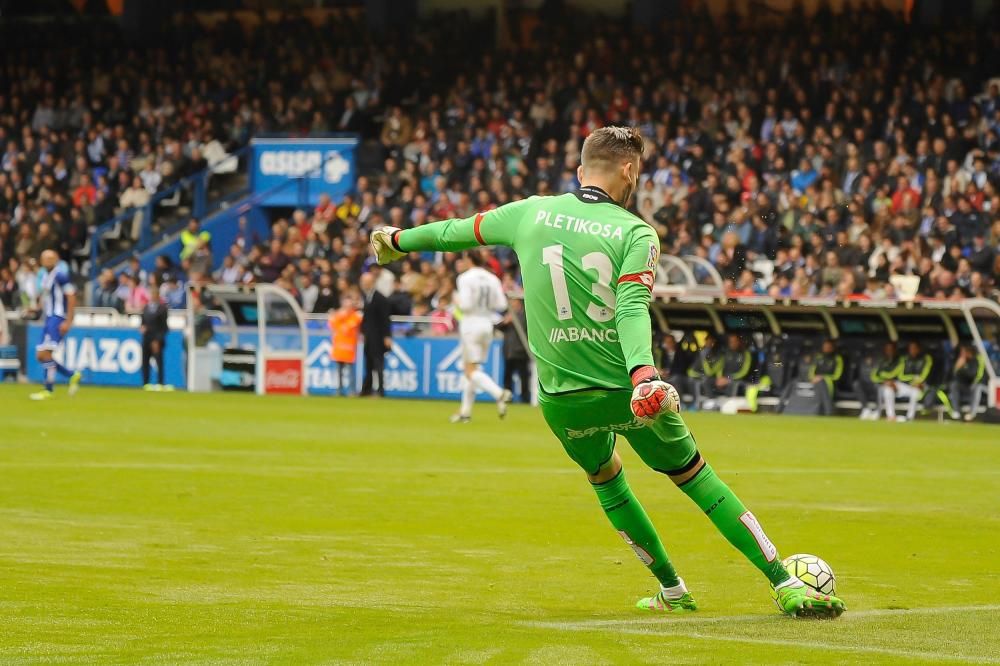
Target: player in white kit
[[479, 299]]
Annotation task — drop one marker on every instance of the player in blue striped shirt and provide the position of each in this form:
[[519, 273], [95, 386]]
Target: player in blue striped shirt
[[59, 302]]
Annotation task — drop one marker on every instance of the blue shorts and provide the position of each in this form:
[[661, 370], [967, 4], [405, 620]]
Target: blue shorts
[[51, 335]]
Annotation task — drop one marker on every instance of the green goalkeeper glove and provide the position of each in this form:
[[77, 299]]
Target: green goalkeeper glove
[[385, 245]]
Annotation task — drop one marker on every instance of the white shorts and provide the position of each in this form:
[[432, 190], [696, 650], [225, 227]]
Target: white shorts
[[476, 336], [904, 390]]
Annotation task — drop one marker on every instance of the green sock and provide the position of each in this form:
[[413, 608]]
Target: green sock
[[630, 519], [736, 523]]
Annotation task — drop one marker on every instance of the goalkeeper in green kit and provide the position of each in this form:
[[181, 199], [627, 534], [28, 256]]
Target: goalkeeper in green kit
[[588, 267]]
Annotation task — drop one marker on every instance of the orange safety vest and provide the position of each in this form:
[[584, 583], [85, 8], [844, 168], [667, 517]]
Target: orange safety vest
[[345, 326]]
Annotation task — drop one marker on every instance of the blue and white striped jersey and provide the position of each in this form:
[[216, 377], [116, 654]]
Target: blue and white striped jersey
[[56, 286]]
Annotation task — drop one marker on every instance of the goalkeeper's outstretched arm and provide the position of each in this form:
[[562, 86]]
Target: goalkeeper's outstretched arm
[[446, 236], [495, 227]]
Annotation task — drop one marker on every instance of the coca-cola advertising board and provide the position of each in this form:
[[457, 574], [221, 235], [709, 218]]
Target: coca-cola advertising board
[[283, 375]]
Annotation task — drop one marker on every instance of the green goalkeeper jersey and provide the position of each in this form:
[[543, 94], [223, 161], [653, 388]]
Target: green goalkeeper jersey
[[587, 265]]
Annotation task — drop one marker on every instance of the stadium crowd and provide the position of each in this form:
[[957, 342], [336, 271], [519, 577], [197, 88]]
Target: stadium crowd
[[799, 163]]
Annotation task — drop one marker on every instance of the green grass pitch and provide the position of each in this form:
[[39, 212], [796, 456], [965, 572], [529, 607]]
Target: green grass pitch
[[176, 528]]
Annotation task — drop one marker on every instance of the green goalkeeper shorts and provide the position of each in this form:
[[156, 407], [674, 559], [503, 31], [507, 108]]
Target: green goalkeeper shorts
[[586, 423]]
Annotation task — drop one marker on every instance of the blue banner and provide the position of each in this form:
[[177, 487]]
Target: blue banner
[[327, 165], [415, 368], [108, 356]]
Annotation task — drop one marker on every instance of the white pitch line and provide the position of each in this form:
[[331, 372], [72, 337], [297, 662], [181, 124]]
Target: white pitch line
[[682, 621], [674, 627]]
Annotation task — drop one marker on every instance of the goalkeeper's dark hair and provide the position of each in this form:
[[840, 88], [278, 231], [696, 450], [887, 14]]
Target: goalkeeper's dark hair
[[610, 146], [474, 256]]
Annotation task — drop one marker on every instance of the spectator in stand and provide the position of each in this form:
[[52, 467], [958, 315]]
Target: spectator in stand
[[24, 246], [200, 260], [323, 214], [348, 209], [150, 177], [230, 272], [193, 238], [46, 239], [308, 292], [444, 321], [397, 129], [9, 295], [134, 197], [134, 268], [165, 270], [29, 285], [328, 298], [174, 293], [400, 300], [981, 256], [136, 296], [106, 292]]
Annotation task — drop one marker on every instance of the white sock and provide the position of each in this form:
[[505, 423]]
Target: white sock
[[485, 382], [468, 397], [675, 592], [791, 582]]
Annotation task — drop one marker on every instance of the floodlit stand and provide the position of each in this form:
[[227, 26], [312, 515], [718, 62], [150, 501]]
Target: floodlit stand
[[261, 321]]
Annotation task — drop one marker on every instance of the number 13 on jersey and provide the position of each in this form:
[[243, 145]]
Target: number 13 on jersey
[[601, 307]]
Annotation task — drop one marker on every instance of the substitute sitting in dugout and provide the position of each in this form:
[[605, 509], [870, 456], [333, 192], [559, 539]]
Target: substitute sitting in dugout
[[824, 373]]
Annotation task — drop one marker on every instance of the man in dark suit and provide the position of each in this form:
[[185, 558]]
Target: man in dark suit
[[377, 330], [154, 337], [350, 119], [515, 351]]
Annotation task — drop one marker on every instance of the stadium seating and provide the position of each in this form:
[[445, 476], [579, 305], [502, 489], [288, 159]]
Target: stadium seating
[[721, 154]]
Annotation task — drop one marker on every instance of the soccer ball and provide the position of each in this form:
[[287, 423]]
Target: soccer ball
[[812, 571]]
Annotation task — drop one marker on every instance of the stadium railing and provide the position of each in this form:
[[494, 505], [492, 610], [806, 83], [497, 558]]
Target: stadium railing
[[690, 276], [197, 184]]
